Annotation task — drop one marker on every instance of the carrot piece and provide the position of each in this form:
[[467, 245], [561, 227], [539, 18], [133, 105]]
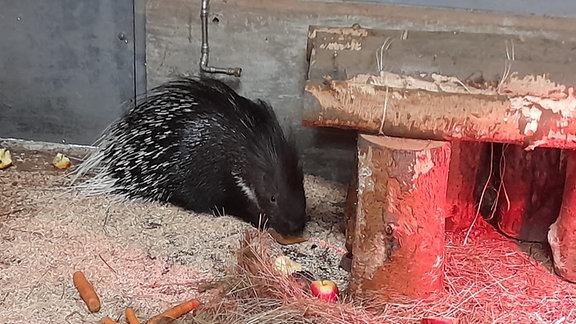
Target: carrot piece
[[131, 316], [176, 311], [182, 309], [86, 291], [107, 320]]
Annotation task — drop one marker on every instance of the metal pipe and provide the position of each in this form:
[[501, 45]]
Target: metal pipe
[[205, 49]]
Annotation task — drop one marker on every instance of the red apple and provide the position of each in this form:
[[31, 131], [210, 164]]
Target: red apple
[[324, 289]]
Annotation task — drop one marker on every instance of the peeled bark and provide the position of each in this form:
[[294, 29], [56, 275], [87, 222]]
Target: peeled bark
[[398, 243], [526, 120], [436, 85]]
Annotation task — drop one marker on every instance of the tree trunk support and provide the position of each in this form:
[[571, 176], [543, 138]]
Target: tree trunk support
[[398, 245], [530, 196], [562, 236]]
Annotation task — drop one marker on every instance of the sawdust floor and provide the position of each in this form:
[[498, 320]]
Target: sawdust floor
[[141, 255], [136, 254]]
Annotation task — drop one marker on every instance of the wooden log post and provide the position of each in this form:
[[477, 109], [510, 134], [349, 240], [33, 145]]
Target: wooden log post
[[530, 196], [399, 232], [562, 237]]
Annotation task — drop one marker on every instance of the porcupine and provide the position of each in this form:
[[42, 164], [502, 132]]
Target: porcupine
[[199, 145]]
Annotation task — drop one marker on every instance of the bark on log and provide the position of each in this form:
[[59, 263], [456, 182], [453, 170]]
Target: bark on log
[[528, 120], [419, 89], [461, 201], [562, 234], [460, 194], [531, 196], [465, 162], [398, 244]]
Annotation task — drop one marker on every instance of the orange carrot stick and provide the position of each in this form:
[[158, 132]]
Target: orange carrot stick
[[131, 316], [182, 309], [176, 311], [86, 291], [107, 320]]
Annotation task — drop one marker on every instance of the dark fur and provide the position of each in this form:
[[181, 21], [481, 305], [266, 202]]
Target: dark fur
[[205, 134]]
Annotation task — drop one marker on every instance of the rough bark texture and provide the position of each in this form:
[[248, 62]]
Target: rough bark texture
[[399, 232], [562, 234], [424, 91], [462, 181], [531, 196]]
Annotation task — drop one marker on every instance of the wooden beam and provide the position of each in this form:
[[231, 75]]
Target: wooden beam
[[398, 245], [442, 86]]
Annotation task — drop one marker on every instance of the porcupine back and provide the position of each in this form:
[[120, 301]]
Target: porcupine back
[[200, 145]]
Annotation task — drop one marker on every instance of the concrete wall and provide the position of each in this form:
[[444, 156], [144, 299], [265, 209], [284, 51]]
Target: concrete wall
[[267, 39], [64, 70]]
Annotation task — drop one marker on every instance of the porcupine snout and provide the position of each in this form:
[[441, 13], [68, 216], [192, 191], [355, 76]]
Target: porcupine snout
[[279, 184], [285, 210]]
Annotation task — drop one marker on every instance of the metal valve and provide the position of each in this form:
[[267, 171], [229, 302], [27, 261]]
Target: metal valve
[[236, 71]]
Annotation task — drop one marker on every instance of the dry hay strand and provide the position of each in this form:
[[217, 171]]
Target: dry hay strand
[[254, 292], [492, 281], [488, 280]]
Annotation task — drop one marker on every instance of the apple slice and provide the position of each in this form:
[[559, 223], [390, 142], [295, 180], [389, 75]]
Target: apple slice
[[326, 290], [5, 159], [61, 161], [286, 266]]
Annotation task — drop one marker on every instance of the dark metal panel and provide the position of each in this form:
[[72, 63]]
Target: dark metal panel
[[66, 66]]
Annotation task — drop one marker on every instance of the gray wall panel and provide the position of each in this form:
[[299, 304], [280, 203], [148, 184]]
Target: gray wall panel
[[64, 70]]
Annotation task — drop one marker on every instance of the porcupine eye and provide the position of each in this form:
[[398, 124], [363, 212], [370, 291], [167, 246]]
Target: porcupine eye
[[273, 198]]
